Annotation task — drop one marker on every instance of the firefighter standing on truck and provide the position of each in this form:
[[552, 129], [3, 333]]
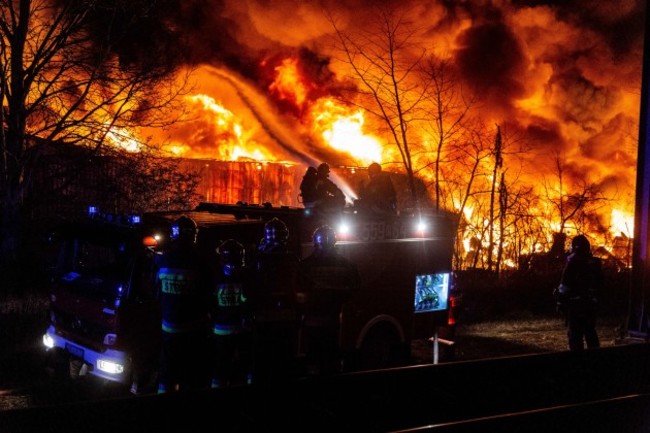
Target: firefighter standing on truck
[[319, 192], [378, 196], [233, 344], [276, 279], [328, 280], [183, 279]]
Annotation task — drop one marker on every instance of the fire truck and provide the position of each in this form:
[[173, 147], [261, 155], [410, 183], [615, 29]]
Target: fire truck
[[104, 315]]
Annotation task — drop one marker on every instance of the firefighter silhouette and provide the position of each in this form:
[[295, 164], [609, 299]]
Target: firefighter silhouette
[[183, 278], [308, 187], [232, 336], [378, 195], [276, 319], [328, 280], [577, 295], [319, 192]]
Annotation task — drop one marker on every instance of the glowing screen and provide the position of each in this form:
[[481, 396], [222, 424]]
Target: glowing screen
[[431, 292]]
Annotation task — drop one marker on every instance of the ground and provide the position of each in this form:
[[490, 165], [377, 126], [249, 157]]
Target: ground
[[514, 336]]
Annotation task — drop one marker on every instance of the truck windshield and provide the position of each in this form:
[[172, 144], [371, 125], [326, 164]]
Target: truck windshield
[[93, 267]]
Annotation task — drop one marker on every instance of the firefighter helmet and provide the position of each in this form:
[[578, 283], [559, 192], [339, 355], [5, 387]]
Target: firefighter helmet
[[323, 169], [324, 238], [276, 231], [374, 169], [184, 229], [580, 243], [231, 253]]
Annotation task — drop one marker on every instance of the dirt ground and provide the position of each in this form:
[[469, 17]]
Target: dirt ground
[[510, 337]]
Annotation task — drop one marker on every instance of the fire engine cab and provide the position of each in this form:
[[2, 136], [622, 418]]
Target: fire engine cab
[[104, 315]]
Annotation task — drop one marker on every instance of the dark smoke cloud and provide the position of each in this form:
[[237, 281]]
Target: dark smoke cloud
[[565, 75], [544, 133], [492, 62]]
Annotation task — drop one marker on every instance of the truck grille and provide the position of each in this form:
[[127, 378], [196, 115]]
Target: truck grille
[[84, 331]]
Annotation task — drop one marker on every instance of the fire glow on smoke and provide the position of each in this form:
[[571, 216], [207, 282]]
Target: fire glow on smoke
[[562, 80]]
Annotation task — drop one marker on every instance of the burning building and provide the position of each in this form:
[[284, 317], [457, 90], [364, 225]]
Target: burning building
[[562, 81], [519, 116]]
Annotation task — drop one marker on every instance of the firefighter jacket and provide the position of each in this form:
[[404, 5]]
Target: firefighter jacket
[[379, 194], [276, 277], [183, 278], [231, 313], [308, 186], [327, 195], [582, 278]]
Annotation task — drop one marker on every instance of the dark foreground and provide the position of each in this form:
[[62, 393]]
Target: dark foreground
[[603, 390]]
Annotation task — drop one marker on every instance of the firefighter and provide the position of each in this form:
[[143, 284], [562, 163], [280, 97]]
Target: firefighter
[[327, 281], [308, 187], [183, 278], [577, 295], [378, 196], [320, 192], [276, 319], [232, 325]]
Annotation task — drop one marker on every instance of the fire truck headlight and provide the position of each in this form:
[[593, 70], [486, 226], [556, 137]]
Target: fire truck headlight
[[343, 229], [421, 227], [48, 341], [109, 366], [110, 339]]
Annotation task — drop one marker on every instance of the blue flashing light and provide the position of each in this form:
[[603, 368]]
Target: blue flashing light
[[135, 219], [92, 211]]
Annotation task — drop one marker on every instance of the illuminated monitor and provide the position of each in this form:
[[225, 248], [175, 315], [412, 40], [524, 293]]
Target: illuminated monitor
[[431, 292]]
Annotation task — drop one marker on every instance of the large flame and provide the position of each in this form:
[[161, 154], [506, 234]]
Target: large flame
[[212, 131], [343, 130], [562, 79], [288, 83]]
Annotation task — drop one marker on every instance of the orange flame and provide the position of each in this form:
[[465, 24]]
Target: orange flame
[[216, 132], [212, 131], [288, 84], [342, 129]]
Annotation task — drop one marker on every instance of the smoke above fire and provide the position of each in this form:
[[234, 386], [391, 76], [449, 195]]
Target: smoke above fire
[[564, 77]]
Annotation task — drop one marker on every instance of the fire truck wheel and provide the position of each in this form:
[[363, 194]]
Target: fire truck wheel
[[382, 348]]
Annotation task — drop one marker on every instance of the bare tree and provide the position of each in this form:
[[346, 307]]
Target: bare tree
[[516, 222], [570, 203], [481, 193], [570, 207], [518, 228], [115, 181], [67, 76], [498, 164], [387, 61], [447, 116], [463, 176]]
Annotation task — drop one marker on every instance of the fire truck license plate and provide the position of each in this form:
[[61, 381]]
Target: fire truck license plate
[[74, 350]]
